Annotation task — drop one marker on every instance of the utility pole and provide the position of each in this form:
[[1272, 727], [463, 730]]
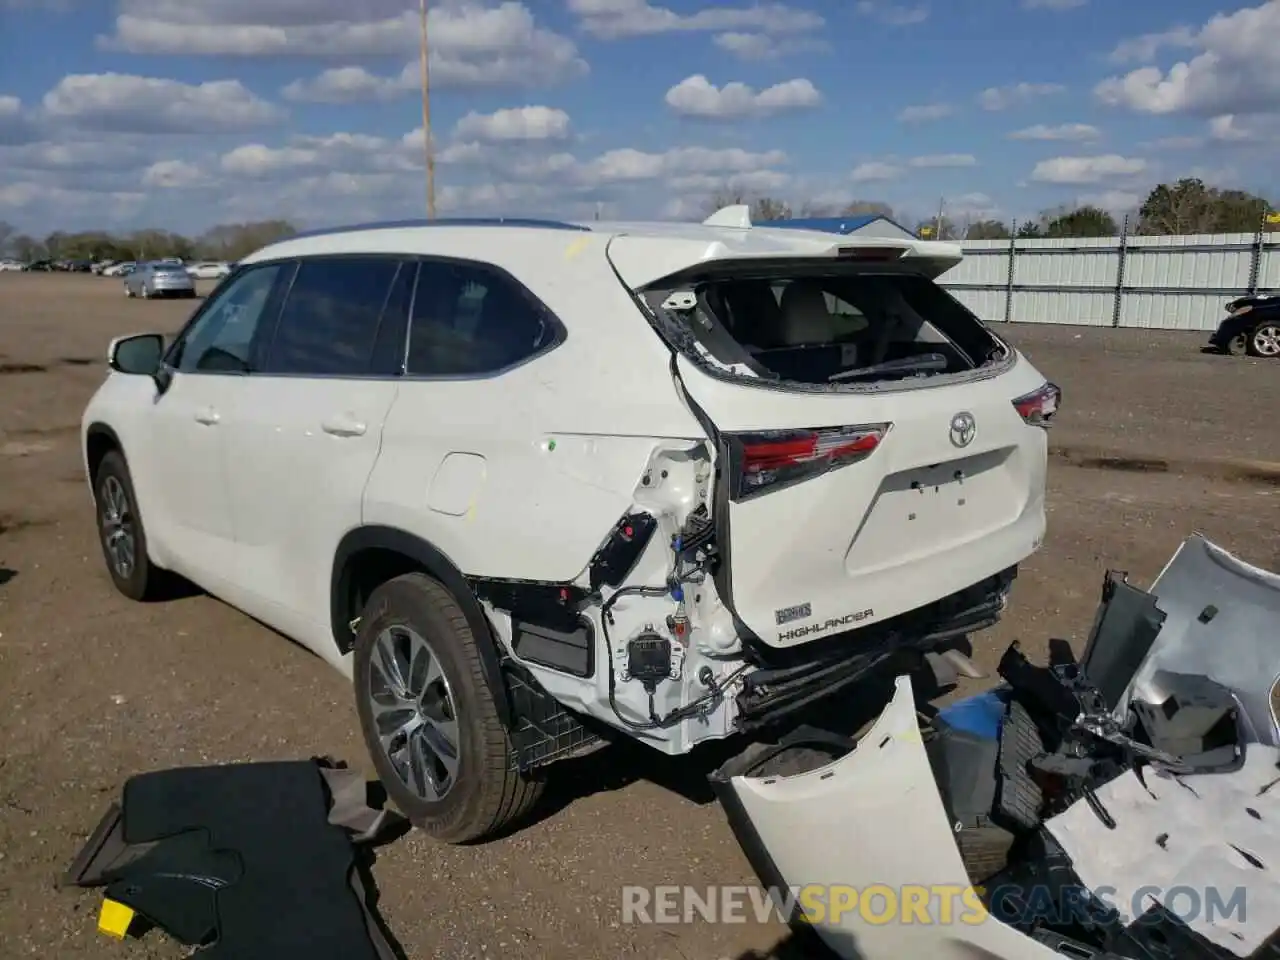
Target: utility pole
[[937, 224], [427, 147]]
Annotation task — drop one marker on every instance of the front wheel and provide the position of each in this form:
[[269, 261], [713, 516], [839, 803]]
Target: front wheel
[[121, 533], [428, 717], [1265, 339]]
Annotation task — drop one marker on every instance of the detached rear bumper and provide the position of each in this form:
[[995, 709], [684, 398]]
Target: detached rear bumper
[[865, 850]]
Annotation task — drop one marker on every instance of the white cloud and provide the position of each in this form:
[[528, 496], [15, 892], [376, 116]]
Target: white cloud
[[514, 124], [15, 126], [696, 96], [875, 171], [941, 160], [472, 44], [133, 104], [349, 85], [1236, 71], [971, 206], [1062, 131], [103, 155], [628, 165], [612, 19], [41, 203], [893, 14], [926, 112], [1002, 98], [1145, 48], [173, 174], [337, 152], [1057, 5], [764, 46], [1229, 128], [1079, 170]]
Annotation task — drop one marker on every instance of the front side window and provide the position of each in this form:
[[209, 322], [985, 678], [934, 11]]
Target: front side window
[[221, 339], [329, 324], [470, 319]]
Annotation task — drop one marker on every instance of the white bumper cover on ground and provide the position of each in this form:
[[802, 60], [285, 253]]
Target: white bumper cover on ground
[[874, 820]]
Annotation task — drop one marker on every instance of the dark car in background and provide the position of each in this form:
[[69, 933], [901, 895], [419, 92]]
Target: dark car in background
[[1251, 328]]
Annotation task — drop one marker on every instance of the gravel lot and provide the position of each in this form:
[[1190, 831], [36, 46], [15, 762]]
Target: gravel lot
[[99, 688]]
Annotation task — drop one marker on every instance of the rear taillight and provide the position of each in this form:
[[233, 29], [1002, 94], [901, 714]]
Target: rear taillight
[[1038, 407], [773, 459]]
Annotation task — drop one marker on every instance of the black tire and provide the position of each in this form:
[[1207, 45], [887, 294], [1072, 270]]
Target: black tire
[[144, 581], [487, 793]]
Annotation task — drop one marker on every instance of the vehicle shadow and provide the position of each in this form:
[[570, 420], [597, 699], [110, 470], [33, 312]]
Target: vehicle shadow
[[803, 945], [6, 575]]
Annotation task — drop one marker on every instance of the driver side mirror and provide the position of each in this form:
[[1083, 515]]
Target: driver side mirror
[[138, 355]]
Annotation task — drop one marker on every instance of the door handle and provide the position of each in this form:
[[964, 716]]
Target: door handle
[[208, 416], [343, 426]]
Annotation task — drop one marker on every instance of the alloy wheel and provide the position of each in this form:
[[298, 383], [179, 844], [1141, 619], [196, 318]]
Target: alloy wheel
[[119, 534], [1266, 340], [414, 712]]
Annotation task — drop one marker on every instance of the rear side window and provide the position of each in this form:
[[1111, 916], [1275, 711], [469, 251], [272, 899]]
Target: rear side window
[[470, 319], [329, 324]]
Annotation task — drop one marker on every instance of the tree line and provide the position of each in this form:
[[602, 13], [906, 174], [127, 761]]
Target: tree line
[[228, 241], [1188, 206]]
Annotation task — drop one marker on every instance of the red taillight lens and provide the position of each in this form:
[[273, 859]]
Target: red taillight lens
[[1038, 407], [769, 460]]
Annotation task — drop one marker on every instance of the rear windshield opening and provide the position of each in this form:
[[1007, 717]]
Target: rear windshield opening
[[853, 326]]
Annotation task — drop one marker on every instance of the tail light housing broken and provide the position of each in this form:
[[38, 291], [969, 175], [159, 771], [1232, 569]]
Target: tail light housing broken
[[1038, 407], [770, 460]]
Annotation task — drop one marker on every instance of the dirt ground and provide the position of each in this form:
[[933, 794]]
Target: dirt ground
[[97, 688]]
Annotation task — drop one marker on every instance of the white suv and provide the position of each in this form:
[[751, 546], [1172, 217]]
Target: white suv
[[532, 483]]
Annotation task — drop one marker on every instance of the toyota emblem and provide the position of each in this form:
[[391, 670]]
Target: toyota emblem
[[963, 428]]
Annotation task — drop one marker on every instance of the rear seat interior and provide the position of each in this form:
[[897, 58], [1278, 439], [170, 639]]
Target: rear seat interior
[[790, 336]]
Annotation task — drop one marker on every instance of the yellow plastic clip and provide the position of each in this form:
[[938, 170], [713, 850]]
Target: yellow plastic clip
[[114, 919]]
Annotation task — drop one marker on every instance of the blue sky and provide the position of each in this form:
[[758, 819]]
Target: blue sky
[[186, 113]]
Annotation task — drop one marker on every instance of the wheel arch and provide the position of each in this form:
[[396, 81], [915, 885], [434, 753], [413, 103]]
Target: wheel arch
[[99, 440], [391, 552]]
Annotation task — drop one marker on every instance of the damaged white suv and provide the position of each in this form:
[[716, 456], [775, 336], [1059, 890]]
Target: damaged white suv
[[531, 483]]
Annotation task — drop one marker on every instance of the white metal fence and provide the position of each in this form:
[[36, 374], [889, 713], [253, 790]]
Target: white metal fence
[[1157, 283]]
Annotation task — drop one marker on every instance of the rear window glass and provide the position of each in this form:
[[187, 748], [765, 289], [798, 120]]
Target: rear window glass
[[815, 327]]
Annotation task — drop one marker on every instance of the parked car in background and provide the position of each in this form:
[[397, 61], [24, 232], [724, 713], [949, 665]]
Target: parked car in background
[[1251, 328], [159, 280], [12, 266], [101, 265], [209, 270], [41, 266], [120, 269]]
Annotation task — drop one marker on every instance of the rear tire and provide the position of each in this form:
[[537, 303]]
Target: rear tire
[[416, 624], [121, 533]]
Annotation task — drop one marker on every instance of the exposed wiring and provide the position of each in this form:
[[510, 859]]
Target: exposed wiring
[[690, 709]]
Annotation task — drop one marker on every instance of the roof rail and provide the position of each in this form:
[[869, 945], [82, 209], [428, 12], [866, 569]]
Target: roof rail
[[446, 222], [737, 216]]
